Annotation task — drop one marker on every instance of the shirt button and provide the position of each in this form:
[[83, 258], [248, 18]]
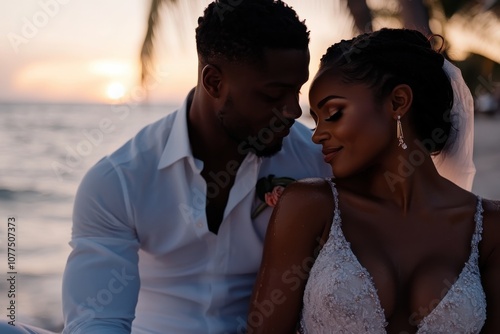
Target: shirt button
[[199, 224]]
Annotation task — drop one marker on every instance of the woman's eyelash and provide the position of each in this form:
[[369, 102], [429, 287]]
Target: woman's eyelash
[[335, 116]]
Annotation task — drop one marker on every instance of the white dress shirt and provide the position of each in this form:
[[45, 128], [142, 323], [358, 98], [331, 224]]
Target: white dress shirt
[[143, 259]]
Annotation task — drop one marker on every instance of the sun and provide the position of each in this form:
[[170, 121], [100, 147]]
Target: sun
[[115, 90]]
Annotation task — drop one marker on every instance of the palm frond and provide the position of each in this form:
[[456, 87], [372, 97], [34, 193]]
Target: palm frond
[[474, 29], [147, 51]]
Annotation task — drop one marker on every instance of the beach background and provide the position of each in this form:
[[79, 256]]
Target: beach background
[[46, 149], [69, 95]]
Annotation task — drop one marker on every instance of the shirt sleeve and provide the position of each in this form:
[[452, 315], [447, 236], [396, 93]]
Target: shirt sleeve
[[101, 279]]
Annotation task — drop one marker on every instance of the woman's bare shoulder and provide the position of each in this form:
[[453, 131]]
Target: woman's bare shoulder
[[491, 226], [306, 201], [309, 192], [491, 213], [491, 204]]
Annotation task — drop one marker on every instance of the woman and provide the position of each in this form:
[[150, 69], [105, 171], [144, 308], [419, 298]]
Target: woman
[[389, 245]]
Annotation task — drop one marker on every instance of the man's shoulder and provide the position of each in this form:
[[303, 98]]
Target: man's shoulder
[[141, 152], [151, 139]]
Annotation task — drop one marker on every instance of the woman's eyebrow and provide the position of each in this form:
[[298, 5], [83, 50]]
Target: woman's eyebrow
[[328, 98]]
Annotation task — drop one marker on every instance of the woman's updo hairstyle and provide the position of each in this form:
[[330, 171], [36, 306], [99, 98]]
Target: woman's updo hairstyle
[[386, 58]]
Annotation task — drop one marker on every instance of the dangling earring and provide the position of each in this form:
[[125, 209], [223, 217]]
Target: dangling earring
[[400, 134]]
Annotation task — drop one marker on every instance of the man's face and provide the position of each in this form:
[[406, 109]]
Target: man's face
[[262, 101]]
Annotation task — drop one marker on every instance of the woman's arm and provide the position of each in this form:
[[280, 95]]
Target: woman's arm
[[490, 265], [297, 229]]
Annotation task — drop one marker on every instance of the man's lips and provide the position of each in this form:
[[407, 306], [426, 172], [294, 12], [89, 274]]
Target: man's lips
[[330, 153]]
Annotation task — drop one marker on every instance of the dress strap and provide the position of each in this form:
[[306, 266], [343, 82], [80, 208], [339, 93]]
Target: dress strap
[[335, 228], [478, 231], [335, 195]]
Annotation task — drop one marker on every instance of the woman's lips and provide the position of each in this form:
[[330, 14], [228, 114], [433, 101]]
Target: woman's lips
[[330, 153]]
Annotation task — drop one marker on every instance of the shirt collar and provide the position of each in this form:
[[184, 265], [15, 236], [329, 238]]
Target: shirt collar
[[178, 145]]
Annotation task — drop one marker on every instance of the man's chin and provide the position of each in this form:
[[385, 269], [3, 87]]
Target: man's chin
[[269, 151]]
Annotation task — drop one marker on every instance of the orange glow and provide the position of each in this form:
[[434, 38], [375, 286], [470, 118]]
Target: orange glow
[[86, 71], [95, 80]]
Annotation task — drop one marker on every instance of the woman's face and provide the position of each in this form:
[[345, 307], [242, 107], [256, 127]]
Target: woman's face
[[355, 130]]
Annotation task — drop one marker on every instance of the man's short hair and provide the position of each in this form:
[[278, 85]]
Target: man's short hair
[[242, 30]]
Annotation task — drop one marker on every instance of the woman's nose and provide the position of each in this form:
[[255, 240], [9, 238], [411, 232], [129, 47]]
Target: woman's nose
[[319, 135]]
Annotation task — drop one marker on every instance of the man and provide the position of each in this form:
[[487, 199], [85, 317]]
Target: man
[[163, 240]]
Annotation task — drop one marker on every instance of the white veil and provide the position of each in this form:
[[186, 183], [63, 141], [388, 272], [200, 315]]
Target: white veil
[[455, 162]]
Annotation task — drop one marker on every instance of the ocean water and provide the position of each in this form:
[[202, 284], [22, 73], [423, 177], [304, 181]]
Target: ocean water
[[45, 149]]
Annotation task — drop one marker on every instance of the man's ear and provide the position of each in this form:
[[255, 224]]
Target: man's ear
[[211, 78], [401, 99]]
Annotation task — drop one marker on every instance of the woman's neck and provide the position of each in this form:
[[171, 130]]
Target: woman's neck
[[407, 179]]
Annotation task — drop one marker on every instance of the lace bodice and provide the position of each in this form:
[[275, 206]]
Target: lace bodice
[[340, 296]]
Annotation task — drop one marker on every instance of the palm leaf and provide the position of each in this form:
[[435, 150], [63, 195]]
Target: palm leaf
[[147, 51], [448, 12], [475, 27]]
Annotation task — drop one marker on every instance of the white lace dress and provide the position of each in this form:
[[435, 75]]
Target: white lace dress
[[340, 296]]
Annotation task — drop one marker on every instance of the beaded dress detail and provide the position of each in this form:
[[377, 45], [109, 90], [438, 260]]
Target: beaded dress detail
[[340, 296]]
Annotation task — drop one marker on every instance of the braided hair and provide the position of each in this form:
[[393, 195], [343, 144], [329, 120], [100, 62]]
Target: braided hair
[[389, 57], [241, 30]]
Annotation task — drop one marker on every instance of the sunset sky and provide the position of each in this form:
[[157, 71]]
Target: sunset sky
[[87, 51]]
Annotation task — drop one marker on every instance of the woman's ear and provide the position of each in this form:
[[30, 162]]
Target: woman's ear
[[401, 99], [211, 78]]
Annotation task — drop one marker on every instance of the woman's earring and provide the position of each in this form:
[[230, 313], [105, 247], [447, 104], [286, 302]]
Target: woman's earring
[[400, 134]]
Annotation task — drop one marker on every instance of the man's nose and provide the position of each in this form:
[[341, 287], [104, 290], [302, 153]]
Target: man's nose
[[292, 109]]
